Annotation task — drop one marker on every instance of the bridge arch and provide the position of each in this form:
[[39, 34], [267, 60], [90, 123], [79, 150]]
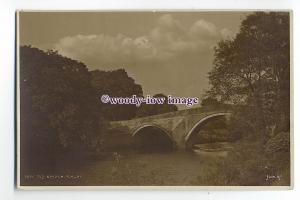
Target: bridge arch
[[154, 136], [202, 121], [151, 125]]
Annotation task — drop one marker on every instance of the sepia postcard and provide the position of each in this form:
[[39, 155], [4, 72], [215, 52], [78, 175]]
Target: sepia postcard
[[148, 99]]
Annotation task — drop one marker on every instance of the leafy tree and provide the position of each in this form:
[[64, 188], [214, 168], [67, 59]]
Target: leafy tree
[[116, 83], [209, 101], [253, 68], [58, 104], [155, 109]]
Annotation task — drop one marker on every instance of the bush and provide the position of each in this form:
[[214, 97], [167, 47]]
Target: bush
[[279, 143]]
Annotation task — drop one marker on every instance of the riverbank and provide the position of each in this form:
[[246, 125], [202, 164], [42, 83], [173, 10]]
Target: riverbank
[[249, 165]]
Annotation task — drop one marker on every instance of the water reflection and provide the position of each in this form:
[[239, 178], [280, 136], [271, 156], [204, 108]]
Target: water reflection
[[219, 149], [153, 139]]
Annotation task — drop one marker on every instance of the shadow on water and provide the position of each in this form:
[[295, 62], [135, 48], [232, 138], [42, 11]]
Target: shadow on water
[[153, 140]]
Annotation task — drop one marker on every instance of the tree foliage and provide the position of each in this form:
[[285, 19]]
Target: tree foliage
[[253, 69], [155, 109], [209, 101], [116, 83], [58, 104]]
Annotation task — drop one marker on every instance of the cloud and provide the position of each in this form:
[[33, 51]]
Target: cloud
[[204, 30], [227, 34], [171, 58], [168, 39]]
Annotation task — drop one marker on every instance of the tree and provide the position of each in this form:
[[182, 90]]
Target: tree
[[58, 104], [155, 109], [116, 83], [209, 101], [253, 68]]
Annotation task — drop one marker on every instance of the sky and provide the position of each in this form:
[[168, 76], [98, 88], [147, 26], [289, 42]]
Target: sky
[[165, 52]]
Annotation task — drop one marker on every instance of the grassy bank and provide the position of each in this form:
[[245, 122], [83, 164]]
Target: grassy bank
[[250, 164]]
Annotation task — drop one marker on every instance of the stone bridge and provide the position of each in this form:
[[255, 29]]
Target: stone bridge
[[178, 126]]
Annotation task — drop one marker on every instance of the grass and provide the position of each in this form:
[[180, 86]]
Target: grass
[[248, 165]]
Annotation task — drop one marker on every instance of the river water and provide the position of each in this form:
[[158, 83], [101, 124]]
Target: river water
[[138, 168]]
